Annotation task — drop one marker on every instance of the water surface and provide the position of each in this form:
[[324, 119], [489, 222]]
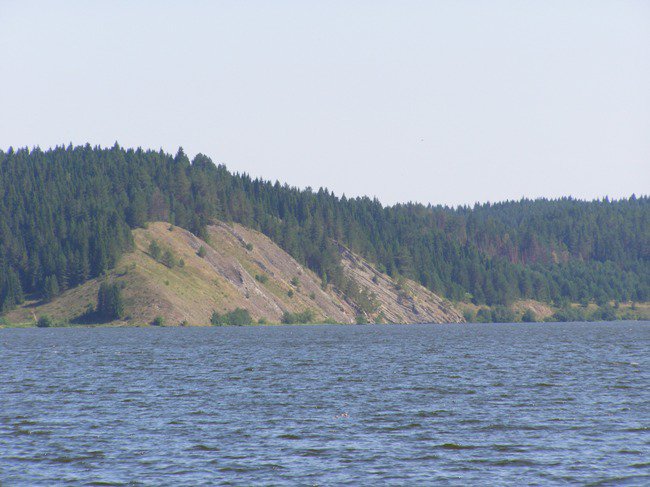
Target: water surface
[[327, 405]]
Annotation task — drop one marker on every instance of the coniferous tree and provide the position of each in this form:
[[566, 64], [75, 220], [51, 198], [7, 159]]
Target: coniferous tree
[[110, 305], [50, 288], [68, 213]]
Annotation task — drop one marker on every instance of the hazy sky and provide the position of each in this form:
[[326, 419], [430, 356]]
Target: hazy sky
[[442, 102]]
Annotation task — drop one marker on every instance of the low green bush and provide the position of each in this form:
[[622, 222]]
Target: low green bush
[[469, 315], [45, 322], [529, 316], [303, 317], [237, 317]]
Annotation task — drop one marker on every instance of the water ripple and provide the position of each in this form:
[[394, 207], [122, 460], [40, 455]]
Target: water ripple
[[326, 405]]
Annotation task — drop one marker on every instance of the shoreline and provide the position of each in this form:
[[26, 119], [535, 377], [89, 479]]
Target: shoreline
[[258, 325]]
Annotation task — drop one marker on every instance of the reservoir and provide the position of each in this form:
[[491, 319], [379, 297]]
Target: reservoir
[[518, 404]]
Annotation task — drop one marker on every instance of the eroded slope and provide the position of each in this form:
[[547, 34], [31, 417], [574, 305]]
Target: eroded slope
[[240, 268]]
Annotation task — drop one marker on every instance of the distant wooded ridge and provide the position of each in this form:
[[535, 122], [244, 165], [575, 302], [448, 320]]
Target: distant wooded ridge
[[66, 215]]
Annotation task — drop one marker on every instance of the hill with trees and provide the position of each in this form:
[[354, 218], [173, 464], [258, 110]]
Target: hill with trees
[[67, 215], [238, 276]]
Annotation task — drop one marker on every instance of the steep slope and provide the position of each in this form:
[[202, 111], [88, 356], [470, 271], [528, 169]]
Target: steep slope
[[403, 301], [238, 268]]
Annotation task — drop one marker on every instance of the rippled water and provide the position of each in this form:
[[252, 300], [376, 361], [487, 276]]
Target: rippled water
[[444, 404]]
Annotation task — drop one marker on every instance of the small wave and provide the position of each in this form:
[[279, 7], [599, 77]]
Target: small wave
[[73, 459], [104, 483], [348, 379], [314, 452], [400, 427], [620, 386], [514, 462], [202, 447], [26, 422], [425, 389], [432, 414], [421, 458], [510, 427], [470, 421], [456, 446], [562, 400], [16, 458], [198, 412], [506, 462], [27, 432], [507, 448], [236, 469], [621, 480], [619, 363]]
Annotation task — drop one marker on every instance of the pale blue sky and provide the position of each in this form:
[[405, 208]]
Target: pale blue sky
[[442, 102]]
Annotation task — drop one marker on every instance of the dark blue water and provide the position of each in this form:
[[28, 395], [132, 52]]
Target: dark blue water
[[327, 405]]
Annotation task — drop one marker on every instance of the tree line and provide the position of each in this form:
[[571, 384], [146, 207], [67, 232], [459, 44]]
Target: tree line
[[66, 216]]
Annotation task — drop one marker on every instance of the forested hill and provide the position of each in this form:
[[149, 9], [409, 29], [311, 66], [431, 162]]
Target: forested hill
[[66, 215]]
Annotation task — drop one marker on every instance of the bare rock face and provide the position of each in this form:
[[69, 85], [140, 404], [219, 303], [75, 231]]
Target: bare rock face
[[403, 301]]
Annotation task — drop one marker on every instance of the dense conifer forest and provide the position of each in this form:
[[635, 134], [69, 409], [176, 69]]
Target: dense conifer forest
[[66, 215]]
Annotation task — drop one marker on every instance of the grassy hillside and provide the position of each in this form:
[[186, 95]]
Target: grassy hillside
[[236, 267]]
